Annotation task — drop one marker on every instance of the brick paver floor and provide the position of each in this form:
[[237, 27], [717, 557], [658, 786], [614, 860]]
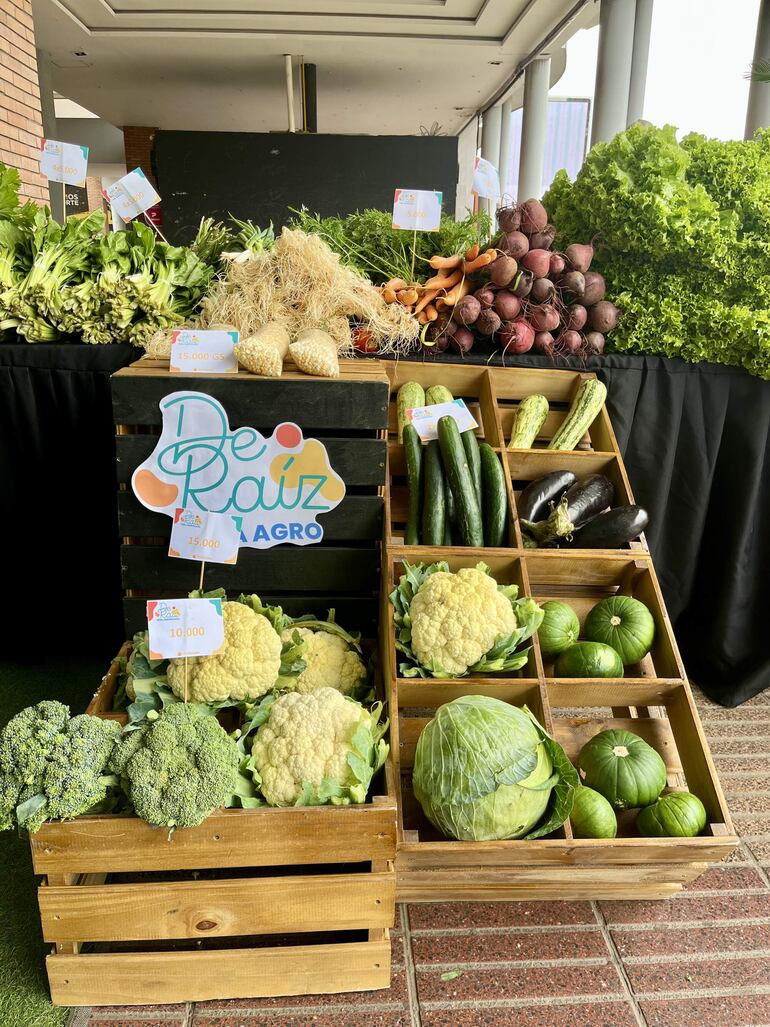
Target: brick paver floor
[[701, 959]]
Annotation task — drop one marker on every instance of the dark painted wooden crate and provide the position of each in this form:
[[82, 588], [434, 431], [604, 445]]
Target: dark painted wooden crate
[[350, 416]]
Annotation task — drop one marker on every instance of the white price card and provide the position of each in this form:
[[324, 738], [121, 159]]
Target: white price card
[[184, 627], [486, 181], [131, 195], [203, 535], [425, 419], [417, 209], [63, 162], [207, 351]]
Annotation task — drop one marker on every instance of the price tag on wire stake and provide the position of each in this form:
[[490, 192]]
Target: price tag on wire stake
[[64, 162], [425, 419], [184, 627], [202, 535], [418, 210], [131, 195]]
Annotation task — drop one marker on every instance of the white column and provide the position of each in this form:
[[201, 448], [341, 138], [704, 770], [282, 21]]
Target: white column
[[505, 145], [613, 69], [48, 112], [534, 123], [758, 110], [490, 144], [641, 53]]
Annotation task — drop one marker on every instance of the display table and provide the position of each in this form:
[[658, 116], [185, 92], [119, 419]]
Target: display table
[[695, 442]]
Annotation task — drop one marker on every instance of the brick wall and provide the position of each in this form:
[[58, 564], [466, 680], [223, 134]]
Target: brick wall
[[137, 141], [21, 124]]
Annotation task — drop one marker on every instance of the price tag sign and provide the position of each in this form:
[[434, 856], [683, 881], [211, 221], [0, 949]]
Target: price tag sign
[[63, 162], [486, 181], [131, 195], [417, 209], [425, 419], [184, 627], [202, 535], [208, 352]]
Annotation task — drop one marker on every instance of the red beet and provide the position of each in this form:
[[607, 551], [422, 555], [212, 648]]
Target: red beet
[[542, 290], [557, 264], [573, 282], [509, 219], [507, 305], [543, 343], [543, 240], [502, 270], [488, 322], [595, 288], [538, 262], [580, 255], [516, 336], [467, 310], [522, 284], [594, 343], [485, 296], [515, 244], [576, 318], [569, 342], [603, 316], [534, 216], [461, 340], [544, 318], [437, 345]]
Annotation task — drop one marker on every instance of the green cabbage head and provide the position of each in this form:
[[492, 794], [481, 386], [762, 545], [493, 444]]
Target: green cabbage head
[[486, 770]]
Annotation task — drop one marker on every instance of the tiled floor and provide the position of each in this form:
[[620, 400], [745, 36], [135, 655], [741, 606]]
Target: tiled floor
[[699, 960]]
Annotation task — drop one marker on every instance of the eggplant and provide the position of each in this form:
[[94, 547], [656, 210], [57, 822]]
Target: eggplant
[[612, 529], [534, 502], [587, 499]]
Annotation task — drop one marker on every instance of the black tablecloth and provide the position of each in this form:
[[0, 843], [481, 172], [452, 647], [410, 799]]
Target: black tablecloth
[[60, 562], [695, 442]]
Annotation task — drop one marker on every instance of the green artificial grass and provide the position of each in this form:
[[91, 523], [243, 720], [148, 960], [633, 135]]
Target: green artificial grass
[[24, 1000]]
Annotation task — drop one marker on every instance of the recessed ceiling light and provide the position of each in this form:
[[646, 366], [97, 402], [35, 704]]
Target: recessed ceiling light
[[495, 62], [79, 53]]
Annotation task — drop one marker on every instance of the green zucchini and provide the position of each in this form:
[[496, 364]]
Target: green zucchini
[[434, 500], [527, 421], [469, 527], [471, 447], [437, 394], [413, 455], [495, 508], [587, 403], [447, 526], [410, 395]]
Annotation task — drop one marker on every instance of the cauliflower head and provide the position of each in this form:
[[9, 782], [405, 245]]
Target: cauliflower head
[[318, 747], [330, 662], [457, 618], [178, 768], [246, 668]]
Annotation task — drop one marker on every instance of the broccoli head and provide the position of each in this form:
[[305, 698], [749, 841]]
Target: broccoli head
[[178, 768]]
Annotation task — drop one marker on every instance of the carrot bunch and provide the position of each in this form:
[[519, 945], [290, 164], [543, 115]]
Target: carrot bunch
[[444, 290]]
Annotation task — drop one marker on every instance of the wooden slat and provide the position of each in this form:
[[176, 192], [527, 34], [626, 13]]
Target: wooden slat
[[208, 909], [357, 518], [516, 383], [424, 693], [359, 462], [301, 568], [312, 403], [228, 838], [111, 979]]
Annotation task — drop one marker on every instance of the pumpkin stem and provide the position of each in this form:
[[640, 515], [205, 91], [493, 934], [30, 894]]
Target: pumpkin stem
[[614, 620], [620, 750]]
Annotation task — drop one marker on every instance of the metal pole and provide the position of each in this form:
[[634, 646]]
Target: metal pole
[[490, 142], [758, 109], [505, 146], [289, 90], [534, 125], [613, 68], [50, 131], [641, 53]]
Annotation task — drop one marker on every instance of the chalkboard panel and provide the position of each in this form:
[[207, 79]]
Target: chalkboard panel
[[261, 175]]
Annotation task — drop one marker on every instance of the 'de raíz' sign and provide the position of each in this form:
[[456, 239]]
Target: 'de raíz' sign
[[274, 488]]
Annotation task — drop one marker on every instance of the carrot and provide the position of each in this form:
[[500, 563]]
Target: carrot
[[469, 266], [407, 297], [442, 281], [446, 262], [388, 295], [422, 318], [454, 297], [395, 284], [427, 297], [473, 252], [431, 312]]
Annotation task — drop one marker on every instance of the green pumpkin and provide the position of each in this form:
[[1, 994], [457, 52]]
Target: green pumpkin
[[589, 660], [620, 765], [592, 816], [625, 624], [559, 630], [676, 815]]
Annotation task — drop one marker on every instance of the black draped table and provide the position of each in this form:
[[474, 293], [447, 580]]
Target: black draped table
[[694, 438]]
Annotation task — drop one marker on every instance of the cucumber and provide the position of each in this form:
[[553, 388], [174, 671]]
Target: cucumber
[[413, 455], [434, 501], [469, 527], [587, 403], [410, 395], [495, 508], [527, 421], [437, 394], [471, 447]]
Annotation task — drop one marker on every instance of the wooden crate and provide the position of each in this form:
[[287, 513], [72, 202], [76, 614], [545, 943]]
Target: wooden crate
[[656, 704], [252, 903], [348, 414], [492, 394]]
